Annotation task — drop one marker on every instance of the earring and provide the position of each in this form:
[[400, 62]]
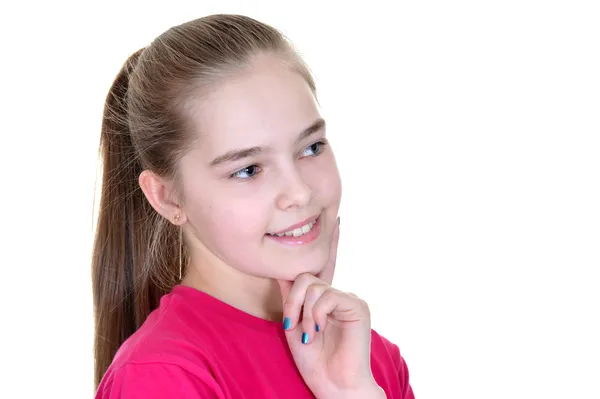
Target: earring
[[180, 246], [177, 217]]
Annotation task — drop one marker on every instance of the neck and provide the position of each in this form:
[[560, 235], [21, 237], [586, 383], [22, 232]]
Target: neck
[[256, 296]]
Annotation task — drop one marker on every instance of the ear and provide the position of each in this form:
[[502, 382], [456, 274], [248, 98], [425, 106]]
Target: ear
[[158, 192]]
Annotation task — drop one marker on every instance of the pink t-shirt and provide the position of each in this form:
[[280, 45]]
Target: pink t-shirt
[[194, 346]]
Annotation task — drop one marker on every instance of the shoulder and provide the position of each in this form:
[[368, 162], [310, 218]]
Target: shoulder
[[387, 361], [150, 380], [175, 333], [384, 348], [165, 356]]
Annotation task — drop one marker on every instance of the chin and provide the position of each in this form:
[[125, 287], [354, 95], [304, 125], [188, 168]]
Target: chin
[[310, 263]]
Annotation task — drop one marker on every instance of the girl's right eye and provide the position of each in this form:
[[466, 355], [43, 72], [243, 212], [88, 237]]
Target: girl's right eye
[[246, 173]]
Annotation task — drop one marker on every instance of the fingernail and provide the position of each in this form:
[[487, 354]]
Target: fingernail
[[339, 218], [304, 338], [318, 328], [287, 323]]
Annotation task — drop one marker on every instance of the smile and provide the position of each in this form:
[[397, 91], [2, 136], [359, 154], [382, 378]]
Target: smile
[[300, 231], [307, 232]]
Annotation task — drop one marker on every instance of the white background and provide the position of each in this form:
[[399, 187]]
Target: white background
[[468, 138]]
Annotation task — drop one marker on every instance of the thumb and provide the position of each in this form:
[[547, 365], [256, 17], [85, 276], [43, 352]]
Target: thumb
[[329, 269]]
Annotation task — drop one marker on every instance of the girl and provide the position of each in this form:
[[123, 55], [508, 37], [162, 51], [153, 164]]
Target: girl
[[218, 230]]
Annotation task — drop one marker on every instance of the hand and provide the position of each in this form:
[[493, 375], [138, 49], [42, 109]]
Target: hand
[[329, 334]]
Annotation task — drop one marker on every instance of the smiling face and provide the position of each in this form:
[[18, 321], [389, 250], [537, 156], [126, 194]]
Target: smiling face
[[261, 166]]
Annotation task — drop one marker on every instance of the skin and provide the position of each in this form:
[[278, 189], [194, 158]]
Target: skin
[[229, 207]]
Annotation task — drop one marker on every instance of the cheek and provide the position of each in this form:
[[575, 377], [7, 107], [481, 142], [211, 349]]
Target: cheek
[[324, 178], [224, 218]]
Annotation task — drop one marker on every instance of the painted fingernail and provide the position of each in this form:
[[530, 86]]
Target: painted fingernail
[[318, 328], [304, 338], [287, 323], [339, 218]]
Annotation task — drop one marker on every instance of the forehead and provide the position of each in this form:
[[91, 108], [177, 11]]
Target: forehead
[[267, 103]]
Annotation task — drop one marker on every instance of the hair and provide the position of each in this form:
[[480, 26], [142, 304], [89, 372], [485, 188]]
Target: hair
[[144, 127]]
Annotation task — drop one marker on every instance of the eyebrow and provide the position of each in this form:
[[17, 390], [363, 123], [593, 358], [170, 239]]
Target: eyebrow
[[236, 155]]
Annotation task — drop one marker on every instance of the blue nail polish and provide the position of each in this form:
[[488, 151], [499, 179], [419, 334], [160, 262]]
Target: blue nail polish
[[318, 328], [287, 323], [304, 338]]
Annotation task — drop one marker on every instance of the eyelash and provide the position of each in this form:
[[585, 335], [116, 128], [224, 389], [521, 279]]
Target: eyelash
[[320, 148]]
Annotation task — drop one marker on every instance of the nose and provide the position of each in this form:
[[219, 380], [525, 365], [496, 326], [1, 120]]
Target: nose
[[294, 193]]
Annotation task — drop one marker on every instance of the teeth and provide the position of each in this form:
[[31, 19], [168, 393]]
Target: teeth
[[299, 231]]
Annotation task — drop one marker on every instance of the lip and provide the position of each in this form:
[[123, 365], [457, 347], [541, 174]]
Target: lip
[[297, 225]]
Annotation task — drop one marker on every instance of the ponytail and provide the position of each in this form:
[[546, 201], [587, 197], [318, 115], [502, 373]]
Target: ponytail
[[127, 281]]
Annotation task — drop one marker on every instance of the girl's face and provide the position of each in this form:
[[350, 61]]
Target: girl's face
[[261, 167]]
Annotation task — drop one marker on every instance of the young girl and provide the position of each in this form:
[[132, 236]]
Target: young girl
[[218, 230]]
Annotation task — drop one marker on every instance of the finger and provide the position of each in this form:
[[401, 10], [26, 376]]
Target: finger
[[284, 288], [339, 306], [329, 269], [309, 325], [292, 306]]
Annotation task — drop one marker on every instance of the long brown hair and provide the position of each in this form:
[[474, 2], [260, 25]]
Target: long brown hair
[[136, 251]]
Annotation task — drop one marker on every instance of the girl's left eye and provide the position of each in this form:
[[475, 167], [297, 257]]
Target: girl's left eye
[[314, 149]]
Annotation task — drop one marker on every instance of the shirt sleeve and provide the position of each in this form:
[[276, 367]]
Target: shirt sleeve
[[407, 392], [158, 381]]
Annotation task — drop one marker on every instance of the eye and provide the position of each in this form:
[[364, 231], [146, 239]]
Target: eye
[[314, 150], [246, 173]]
